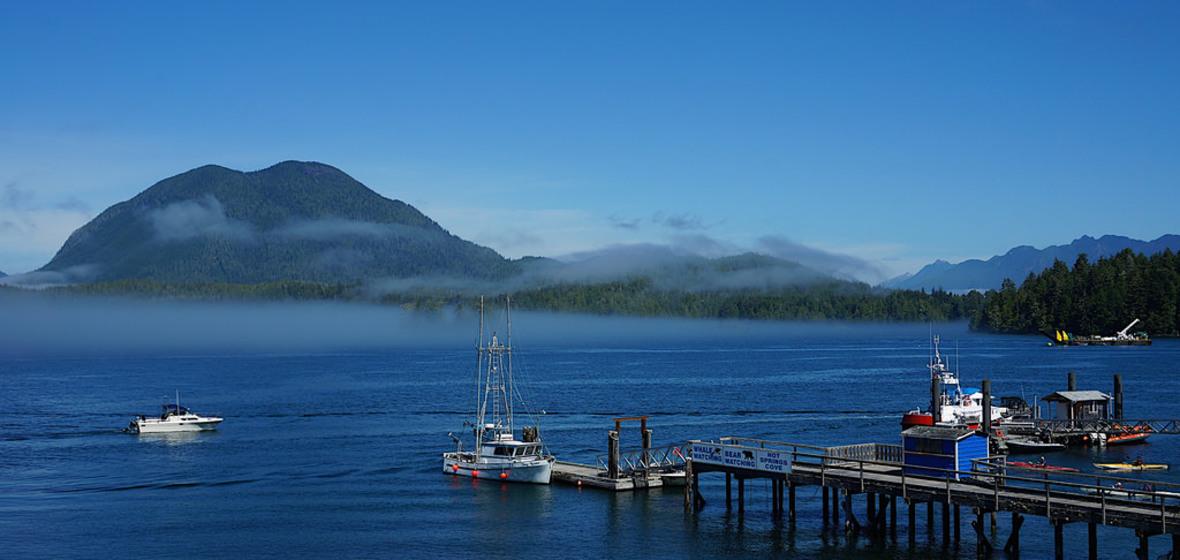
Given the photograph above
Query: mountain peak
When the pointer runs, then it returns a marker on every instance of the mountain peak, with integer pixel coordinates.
(291, 221)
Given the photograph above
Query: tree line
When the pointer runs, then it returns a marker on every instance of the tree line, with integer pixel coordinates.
(1090, 298)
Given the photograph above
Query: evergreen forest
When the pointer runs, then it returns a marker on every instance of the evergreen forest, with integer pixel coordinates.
(1091, 298)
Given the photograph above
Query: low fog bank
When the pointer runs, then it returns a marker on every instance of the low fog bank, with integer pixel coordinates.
(36, 326)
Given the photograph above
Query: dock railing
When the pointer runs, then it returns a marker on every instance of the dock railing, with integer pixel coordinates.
(644, 460)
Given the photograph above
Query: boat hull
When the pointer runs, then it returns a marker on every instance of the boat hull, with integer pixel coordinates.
(1124, 439)
(152, 426)
(531, 471)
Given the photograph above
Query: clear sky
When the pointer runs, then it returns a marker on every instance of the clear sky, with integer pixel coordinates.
(888, 133)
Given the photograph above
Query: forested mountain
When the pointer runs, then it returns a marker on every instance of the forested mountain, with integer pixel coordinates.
(975, 274)
(1091, 298)
(295, 221)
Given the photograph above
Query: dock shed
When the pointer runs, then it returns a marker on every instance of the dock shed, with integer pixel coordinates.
(1078, 405)
(927, 448)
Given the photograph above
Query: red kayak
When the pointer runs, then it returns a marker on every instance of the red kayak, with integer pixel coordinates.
(1039, 467)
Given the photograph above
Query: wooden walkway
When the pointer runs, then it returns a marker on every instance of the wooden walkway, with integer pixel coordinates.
(876, 471)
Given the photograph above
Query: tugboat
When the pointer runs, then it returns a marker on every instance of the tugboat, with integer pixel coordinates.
(956, 406)
(497, 454)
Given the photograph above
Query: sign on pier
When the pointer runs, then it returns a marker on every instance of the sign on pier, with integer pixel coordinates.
(741, 457)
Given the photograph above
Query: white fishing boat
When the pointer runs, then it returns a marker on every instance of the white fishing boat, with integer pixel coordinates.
(496, 453)
(175, 418)
(957, 405)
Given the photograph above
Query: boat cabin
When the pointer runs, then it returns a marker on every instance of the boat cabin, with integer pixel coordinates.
(931, 450)
(1078, 405)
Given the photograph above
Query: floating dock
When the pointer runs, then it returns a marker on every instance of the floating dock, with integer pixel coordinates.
(586, 475)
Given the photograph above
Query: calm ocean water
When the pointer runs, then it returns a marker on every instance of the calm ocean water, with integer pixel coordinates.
(328, 453)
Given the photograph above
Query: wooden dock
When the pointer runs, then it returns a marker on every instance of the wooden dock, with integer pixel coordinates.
(877, 472)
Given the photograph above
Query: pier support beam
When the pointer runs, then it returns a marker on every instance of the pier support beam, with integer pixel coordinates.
(728, 491)
(741, 495)
(913, 521)
(1141, 552)
(791, 502)
(893, 517)
(825, 508)
(983, 546)
(850, 523)
(929, 520)
(1092, 540)
(946, 523)
(1012, 546)
(1058, 536)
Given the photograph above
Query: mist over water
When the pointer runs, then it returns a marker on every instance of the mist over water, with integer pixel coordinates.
(84, 326)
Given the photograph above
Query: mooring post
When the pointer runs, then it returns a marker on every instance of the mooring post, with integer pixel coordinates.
(612, 461)
(1118, 396)
(987, 408)
(688, 485)
(646, 446)
(1072, 381)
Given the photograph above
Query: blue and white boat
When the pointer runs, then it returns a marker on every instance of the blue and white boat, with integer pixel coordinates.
(175, 418)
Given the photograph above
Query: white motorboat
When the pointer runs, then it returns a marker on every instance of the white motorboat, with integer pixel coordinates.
(175, 418)
(496, 453)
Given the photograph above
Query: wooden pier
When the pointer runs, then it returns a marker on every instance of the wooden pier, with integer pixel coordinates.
(878, 472)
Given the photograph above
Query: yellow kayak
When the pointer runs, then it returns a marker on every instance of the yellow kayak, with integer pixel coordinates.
(1131, 466)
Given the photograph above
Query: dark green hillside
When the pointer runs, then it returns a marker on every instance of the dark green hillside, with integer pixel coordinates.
(295, 221)
(1091, 298)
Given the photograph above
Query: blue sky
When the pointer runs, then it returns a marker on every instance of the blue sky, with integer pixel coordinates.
(887, 134)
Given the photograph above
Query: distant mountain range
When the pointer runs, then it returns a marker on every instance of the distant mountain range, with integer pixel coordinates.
(307, 221)
(1021, 261)
(311, 222)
